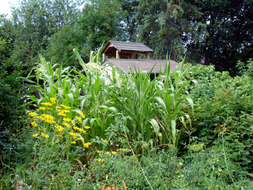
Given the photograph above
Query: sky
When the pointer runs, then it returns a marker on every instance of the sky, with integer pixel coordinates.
(5, 6)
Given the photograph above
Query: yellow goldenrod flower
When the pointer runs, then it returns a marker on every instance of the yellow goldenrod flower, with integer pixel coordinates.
(79, 119)
(100, 160)
(32, 114)
(86, 127)
(82, 115)
(65, 107)
(105, 141)
(66, 125)
(113, 153)
(66, 119)
(34, 124)
(46, 104)
(45, 135)
(42, 108)
(86, 145)
(53, 100)
(59, 128)
(35, 135)
(73, 135)
(73, 142)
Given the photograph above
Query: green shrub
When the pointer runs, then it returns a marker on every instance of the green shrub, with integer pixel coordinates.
(223, 107)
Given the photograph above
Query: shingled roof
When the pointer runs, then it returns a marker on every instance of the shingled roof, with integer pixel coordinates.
(128, 46)
(143, 65)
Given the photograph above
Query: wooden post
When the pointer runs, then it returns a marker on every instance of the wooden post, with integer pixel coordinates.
(148, 55)
(104, 57)
(117, 54)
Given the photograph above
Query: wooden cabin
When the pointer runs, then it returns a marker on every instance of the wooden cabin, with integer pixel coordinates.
(125, 50)
(123, 56)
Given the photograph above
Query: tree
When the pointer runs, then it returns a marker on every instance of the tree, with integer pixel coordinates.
(11, 105)
(62, 43)
(35, 22)
(229, 34)
(129, 20)
(100, 22)
(167, 25)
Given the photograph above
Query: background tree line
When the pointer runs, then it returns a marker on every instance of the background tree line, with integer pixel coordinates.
(209, 31)
(217, 32)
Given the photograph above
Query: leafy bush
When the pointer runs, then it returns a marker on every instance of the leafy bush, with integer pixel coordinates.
(11, 87)
(223, 108)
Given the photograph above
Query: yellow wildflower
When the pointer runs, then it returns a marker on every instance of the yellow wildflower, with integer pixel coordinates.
(66, 119)
(45, 135)
(73, 135)
(42, 108)
(73, 123)
(79, 139)
(48, 118)
(82, 115)
(105, 141)
(82, 131)
(100, 160)
(35, 135)
(32, 114)
(79, 119)
(65, 107)
(79, 129)
(34, 124)
(53, 100)
(66, 125)
(46, 104)
(98, 151)
(39, 117)
(113, 153)
(58, 107)
(59, 128)
(61, 113)
(86, 127)
(86, 145)
(73, 142)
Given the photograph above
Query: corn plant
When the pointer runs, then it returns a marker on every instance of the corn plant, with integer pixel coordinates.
(170, 97)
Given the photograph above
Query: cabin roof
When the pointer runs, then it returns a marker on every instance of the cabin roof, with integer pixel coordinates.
(128, 46)
(142, 65)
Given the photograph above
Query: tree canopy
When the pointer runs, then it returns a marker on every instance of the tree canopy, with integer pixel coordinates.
(206, 31)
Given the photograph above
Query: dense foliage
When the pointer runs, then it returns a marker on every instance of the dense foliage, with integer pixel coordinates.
(69, 124)
(188, 129)
(213, 32)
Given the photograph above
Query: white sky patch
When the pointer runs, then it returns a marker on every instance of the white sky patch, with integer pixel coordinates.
(6, 5)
